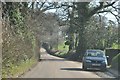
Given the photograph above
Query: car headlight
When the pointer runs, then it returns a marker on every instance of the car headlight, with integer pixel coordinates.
(88, 61)
(104, 62)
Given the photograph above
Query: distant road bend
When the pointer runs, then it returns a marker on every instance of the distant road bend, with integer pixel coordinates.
(54, 67)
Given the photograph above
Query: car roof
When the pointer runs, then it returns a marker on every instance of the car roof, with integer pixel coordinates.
(93, 50)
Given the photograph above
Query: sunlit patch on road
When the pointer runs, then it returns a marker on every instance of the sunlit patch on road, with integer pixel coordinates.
(42, 50)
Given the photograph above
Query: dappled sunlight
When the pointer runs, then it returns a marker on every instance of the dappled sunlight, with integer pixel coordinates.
(56, 36)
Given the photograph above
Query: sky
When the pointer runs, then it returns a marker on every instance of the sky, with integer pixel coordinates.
(108, 15)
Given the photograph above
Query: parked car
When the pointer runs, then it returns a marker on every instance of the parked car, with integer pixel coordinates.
(94, 59)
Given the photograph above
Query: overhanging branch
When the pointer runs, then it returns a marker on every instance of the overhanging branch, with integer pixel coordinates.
(116, 16)
(101, 6)
(103, 11)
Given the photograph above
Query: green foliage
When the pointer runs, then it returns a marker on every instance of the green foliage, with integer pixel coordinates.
(101, 34)
(63, 47)
(67, 43)
(115, 46)
(17, 19)
(19, 43)
(17, 70)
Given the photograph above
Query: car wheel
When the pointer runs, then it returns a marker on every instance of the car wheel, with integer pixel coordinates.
(39, 60)
(84, 67)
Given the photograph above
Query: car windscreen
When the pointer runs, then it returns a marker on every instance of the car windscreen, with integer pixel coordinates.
(95, 54)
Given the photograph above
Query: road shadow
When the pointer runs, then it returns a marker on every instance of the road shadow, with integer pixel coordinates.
(79, 69)
(72, 69)
(53, 60)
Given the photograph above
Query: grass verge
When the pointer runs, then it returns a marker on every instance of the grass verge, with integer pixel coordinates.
(63, 47)
(14, 71)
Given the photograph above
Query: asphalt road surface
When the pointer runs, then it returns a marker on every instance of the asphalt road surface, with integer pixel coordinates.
(54, 67)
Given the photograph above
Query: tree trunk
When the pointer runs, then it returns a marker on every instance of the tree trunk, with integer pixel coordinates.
(71, 31)
(81, 48)
(82, 19)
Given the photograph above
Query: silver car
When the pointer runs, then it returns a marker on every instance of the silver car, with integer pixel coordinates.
(94, 59)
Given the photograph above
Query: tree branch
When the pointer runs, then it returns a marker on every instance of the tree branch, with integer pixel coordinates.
(96, 9)
(103, 11)
(42, 5)
(108, 5)
(116, 16)
(116, 9)
(101, 6)
(48, 7)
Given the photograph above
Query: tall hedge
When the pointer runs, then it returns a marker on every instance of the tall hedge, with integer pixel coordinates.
(19, 42)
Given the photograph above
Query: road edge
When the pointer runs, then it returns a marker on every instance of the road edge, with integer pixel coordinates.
(114, 72)
(29, 69)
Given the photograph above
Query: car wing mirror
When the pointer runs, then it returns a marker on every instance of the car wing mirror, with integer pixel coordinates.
(107, 56)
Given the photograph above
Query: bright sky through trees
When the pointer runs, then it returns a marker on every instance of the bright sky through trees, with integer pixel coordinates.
(108, 15)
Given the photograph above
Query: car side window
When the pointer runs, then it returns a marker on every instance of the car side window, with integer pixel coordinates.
(89, 54)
